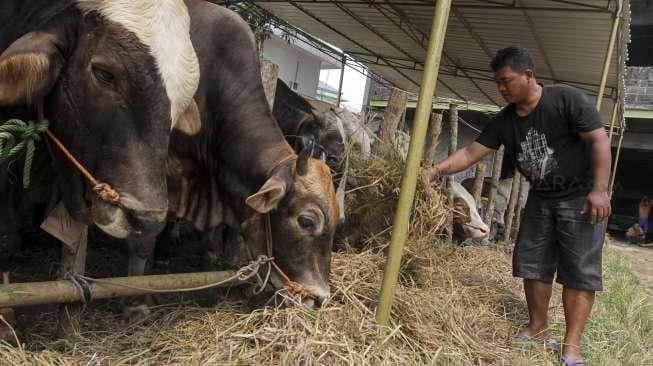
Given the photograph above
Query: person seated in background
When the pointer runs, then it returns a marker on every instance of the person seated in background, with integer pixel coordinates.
(636, 234)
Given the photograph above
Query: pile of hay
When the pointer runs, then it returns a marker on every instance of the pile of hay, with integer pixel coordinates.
(454, 305)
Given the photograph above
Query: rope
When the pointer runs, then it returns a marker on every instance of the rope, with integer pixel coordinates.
(16, 136)
(243, 274)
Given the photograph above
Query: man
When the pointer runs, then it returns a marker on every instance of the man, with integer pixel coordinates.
(555, 137)
(644, 210)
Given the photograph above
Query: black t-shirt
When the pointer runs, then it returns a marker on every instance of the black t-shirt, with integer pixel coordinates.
(545, 145)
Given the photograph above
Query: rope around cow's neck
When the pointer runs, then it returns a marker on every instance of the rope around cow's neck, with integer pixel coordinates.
(17, 135)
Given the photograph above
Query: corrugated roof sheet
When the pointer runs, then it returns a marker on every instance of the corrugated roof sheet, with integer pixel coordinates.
(568, 40)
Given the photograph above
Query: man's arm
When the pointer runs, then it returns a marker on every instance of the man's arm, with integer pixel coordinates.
(597, 204)
(459, 160)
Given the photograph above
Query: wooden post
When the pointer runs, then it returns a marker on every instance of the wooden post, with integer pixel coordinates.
(269, 76)
(415, 155)
(512, 202)
(479, 178)
(523, 196)
(432, 136)
(453, 146)
(393, 112)
(73, 260)
(496, 173)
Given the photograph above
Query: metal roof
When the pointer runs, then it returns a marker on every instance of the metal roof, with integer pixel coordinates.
(568, 40)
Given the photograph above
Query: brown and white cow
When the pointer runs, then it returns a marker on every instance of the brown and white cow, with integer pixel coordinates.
(115, 77)
(240, 168)
(467, 223)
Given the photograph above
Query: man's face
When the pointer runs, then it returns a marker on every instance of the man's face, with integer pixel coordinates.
(514, 86)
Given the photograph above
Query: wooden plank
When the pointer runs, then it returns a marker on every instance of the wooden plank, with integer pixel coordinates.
(477, 188)
(432, 136)
(269, 76)
(512, 202)
(496, 174)
(393, 112)
(453, 146)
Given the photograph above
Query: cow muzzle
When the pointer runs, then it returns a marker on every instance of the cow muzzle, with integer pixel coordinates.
(124, 222)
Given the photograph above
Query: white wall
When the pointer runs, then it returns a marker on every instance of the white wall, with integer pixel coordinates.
(295, 65)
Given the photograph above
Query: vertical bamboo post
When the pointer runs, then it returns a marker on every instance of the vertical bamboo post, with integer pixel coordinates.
(432, 136)
(269, 76)
(512, 202)
(520, 203)
(479, 178)
(392, 115)
(616, 162)
(608, 54)
(415, 154)
(615, 108)
(496, 173)
(342, 77)
(453, 146)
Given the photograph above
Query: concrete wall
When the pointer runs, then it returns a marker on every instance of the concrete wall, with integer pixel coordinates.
(295, 65)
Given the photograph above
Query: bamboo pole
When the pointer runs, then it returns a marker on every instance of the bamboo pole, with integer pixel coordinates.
(615, 108)
(512, 202)
(453, 146)
(496, 173)
(616, 162)
(342, 77)
(608, 55)
(415, 153)
(392, 115)
(479, 178)
(63, 291)
(432, 136)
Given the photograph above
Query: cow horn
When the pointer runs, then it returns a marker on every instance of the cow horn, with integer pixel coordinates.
(304, 156)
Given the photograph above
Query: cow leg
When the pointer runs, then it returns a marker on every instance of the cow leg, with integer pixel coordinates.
(213, 241)
(73, 261)
(168, 237)
(9, 317)
(9, 245)
(140, 250)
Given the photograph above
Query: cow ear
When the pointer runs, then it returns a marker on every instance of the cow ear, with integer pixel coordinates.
(268, 197)
(189, 121)
(304, 156)
(29, 68)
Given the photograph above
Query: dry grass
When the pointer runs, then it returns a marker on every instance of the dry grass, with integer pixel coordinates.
(454, 306)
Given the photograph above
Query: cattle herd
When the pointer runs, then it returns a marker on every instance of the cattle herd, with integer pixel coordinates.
(163, 100)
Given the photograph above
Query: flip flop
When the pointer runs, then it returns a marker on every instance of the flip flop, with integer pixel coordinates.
(576, 362)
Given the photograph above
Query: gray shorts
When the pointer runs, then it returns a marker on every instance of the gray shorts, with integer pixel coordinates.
(555, 237)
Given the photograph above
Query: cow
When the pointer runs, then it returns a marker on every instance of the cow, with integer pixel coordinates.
(502, 197)
(239, 171)
(114, 78)
(467, 223)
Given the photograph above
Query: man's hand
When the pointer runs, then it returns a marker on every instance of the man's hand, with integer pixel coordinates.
(430, 174)
(597, 206)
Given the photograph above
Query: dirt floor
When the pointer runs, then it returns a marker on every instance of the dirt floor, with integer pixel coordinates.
(641, 259)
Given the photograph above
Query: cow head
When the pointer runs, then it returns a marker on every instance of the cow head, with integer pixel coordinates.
(467, 224)
(116, 77)
(304, 213)
(321, 129)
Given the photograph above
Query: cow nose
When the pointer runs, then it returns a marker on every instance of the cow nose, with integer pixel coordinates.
(315, 302)
(146, 222)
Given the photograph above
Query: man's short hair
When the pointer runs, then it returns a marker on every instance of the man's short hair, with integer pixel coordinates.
(518, 58)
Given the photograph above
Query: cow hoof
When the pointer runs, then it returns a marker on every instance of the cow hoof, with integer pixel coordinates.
(135, 313)
(6, 329)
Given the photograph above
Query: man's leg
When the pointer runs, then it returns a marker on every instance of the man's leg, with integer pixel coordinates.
(579, 269)
(534, 260)
(577, 304)
(538, 294)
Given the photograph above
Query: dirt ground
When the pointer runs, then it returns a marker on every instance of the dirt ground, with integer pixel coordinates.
(641, 259)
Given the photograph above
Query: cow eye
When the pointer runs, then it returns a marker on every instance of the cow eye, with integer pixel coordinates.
(306, 222)
(103, 75)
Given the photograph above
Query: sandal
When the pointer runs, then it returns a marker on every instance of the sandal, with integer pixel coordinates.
(576, 362)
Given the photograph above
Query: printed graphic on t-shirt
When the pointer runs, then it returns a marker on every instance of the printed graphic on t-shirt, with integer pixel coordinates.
(536, 158)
